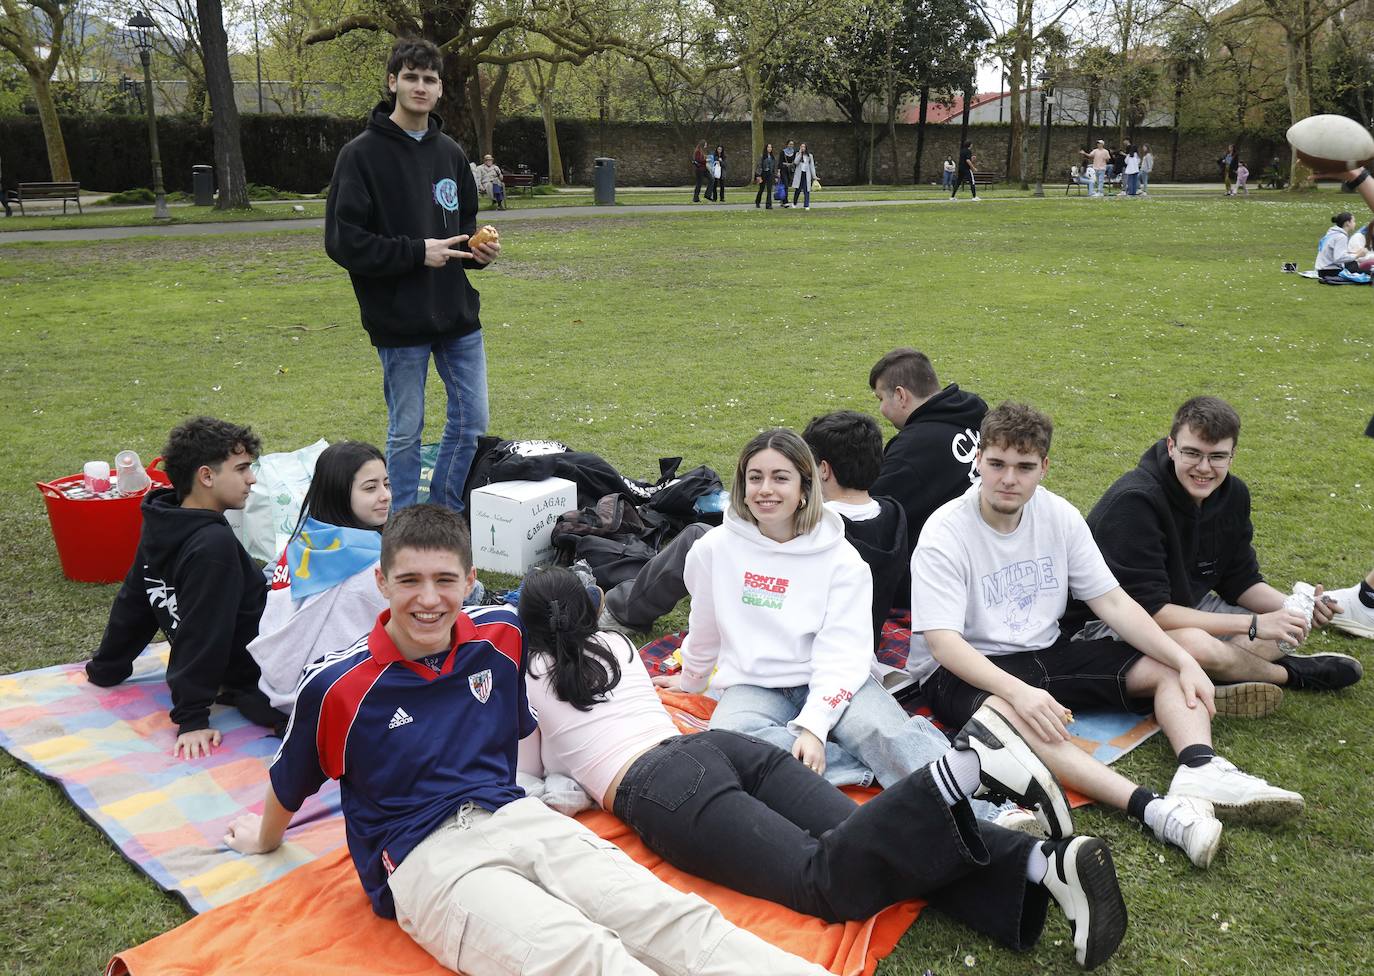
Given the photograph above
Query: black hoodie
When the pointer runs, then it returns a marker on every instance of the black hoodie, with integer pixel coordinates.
(930, 461)
(882, 542)
(192, 579)
(389, 193)
(1165, 548)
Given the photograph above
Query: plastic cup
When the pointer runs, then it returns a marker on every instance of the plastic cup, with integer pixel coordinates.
(96, 476)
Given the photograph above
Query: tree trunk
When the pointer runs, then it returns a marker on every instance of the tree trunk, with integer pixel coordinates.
(1092, 114)
(551, 139)
(214, 46)
(1025, 131)
(920, 135)
(1173, 152)
(892, 129)
(1299, 106)
(1017, 120)
(756, 140)
(970, 88)
(58, 166)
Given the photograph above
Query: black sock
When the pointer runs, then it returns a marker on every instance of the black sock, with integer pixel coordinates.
(1367, 595)
(1139, 800)
(1196, 755)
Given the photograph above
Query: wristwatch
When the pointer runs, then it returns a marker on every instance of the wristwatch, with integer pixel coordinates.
(1254, 620)
(1352, 184)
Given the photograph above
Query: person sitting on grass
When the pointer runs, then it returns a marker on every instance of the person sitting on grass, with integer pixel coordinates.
(782, 604)
(848, 448)
(191, 578)
(1333, 250)
(753, 818)
(991, 576)
(323, 594)
(420, 721)
(1176, 531)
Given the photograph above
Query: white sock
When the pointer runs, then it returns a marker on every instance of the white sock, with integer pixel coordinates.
(1037, 865)
(956, 774)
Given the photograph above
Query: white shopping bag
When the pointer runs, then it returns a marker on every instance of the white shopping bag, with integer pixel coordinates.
(274, 504)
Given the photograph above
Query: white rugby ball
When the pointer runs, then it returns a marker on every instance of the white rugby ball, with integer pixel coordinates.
(1328, 143)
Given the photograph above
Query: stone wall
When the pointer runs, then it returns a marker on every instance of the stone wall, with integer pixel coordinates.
(652, 155)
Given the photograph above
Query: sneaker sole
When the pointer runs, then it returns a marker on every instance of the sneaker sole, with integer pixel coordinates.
(1352, 627)
(1052, 808)
(1262, 812)
(1092, 872)
(1248, 699)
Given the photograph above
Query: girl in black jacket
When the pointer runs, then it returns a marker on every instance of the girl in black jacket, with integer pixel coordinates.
(767, 169)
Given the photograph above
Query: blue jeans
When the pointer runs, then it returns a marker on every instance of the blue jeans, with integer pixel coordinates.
(1144, 180)
(1095, 179)
(1132, 182)
(803, 187)
(948, 179)
(462, 365)
(874, 738)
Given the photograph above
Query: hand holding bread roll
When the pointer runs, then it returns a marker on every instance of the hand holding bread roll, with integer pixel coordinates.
(486, 234)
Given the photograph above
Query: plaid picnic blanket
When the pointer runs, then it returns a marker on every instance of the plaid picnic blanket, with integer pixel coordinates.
(110, 750)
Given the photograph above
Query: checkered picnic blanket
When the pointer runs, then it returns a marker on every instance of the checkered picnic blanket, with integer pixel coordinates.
(109, 749)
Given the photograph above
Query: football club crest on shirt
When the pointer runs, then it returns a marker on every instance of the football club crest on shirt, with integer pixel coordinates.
(480, 685)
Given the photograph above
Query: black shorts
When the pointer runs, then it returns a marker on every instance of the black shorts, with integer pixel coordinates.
(1079, 674)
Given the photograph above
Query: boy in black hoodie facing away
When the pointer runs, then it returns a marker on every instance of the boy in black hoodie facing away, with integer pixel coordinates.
(192, 579)
(848, 448)
(1176, 533)
(402, 205)
(931, 460)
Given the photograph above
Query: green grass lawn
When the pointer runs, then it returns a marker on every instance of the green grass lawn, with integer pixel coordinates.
(684, 334)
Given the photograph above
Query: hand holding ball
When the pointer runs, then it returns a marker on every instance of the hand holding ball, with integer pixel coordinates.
(1331, 143)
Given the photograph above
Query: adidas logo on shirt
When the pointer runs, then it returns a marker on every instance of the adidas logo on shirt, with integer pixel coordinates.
(399, 719)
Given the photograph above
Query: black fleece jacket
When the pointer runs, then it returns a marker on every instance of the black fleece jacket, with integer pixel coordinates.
(930, 461)
(1165, 548)
(192, 579)
(389, 193)
(882, 542)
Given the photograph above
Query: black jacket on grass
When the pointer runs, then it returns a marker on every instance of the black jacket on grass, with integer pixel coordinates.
(882, 542)
(930, 461)
(192, 579)
(1163, 547)
(389, 193)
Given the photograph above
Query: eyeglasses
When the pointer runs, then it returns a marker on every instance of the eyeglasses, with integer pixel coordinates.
(1217, 459)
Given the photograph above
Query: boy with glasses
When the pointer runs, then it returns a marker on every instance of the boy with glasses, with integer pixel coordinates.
(1176, 531)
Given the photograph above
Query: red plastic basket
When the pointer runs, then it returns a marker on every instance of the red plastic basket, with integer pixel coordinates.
(96, 537)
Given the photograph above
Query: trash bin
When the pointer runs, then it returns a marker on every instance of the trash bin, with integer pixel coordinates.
(604, 185)
(203, 183)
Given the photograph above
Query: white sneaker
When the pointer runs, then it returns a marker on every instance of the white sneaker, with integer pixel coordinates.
(1236, 796)
(1354, 617)
(1010, 768)
(1190, 826)
(1082, 880)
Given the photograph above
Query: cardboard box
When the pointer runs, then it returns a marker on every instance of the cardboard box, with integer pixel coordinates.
(512, 522)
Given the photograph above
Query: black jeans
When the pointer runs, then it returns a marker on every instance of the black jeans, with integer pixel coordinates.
(742, 813)
(765, 191)
(701, 181)
(965, 176)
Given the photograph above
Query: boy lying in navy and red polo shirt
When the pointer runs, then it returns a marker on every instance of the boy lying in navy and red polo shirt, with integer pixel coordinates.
(419, 723)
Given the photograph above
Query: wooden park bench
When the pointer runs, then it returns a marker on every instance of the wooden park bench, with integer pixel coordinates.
(66, 192)
(519, 181)
(987, 177)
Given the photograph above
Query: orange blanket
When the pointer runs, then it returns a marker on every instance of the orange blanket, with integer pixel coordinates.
(316, 921)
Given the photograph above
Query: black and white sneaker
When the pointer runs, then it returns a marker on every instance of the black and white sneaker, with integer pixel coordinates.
(1082, 880)
(1012, 771)
(1321, 672)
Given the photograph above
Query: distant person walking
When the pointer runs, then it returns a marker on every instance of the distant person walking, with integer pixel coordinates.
(787, 168)
(699, 169)
(715, 189)
(805, 173)
(764, 175)
(1227, 163)
(1147, 166)
(966, 160)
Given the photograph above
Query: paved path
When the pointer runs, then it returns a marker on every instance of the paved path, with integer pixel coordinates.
(316, 224)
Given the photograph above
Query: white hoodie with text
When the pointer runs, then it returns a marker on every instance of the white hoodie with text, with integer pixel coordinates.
(780, 615)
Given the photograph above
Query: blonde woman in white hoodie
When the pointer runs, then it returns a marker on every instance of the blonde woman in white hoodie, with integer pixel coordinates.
(781, 612)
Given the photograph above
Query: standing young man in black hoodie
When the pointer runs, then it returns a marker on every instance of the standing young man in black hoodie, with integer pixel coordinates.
(931, 460)
(192, 579)
(1176, 532)
(401, 205)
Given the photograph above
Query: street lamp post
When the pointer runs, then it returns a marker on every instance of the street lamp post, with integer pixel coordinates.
(1046, 107)
(141, 28)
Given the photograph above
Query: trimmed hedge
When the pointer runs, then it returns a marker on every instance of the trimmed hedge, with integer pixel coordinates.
(291, 152)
